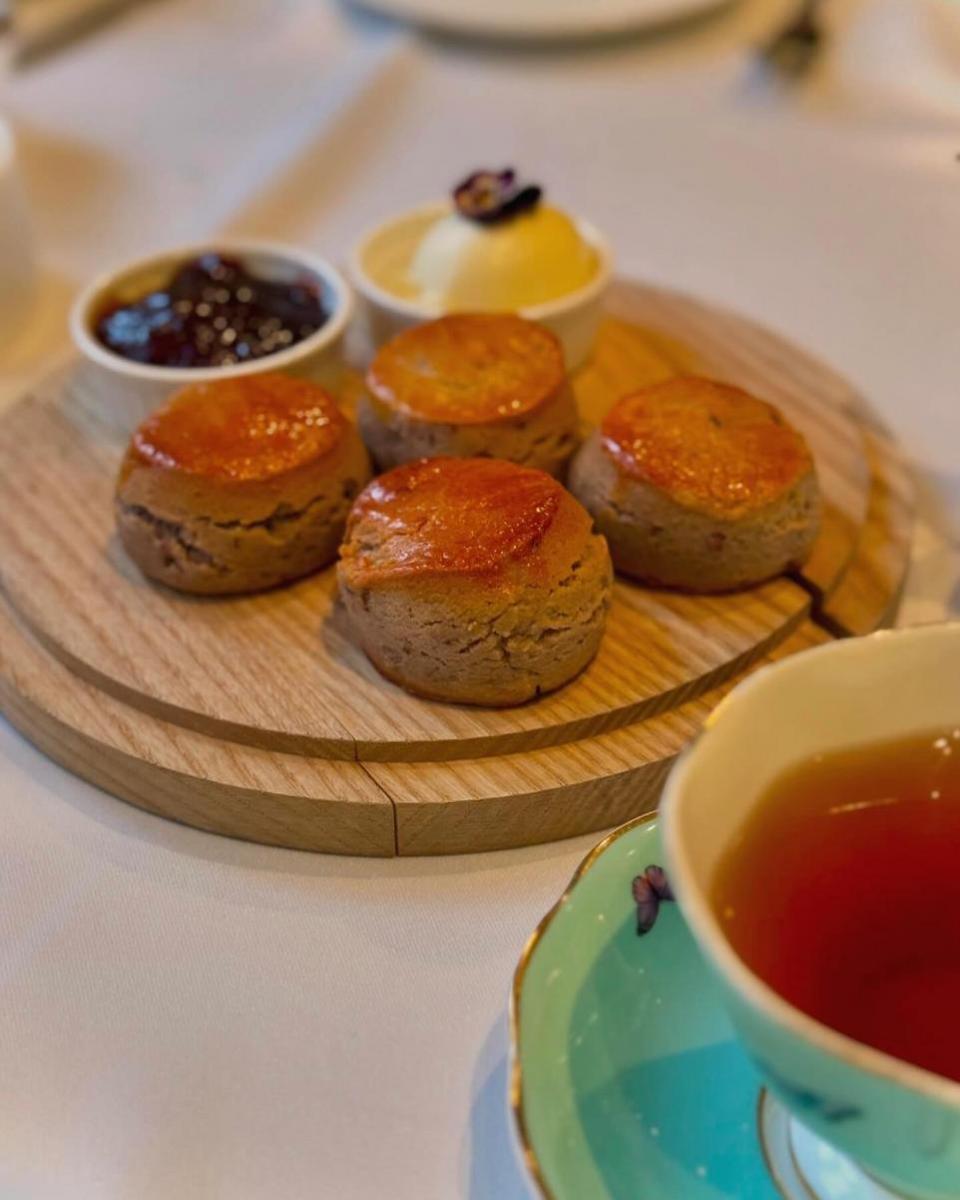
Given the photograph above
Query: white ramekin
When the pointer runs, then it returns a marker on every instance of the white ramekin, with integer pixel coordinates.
(574, 317)
(128, 391)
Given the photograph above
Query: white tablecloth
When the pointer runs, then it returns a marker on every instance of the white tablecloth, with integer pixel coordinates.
(185, 1016)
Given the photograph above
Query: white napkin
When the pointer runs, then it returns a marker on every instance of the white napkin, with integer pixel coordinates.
(898, 59)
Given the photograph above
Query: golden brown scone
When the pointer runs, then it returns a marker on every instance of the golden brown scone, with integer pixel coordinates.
(481, 384)
(239, 485)
(474, 580)
(699, 485)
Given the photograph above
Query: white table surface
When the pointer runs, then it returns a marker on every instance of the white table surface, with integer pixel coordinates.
(185, 1016)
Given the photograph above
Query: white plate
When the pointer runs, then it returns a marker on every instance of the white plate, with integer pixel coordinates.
(540, 18)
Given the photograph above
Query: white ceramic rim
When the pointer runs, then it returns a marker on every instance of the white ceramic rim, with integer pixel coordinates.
(423, 312)
(81, 312)
(699, 915)
(585, 22)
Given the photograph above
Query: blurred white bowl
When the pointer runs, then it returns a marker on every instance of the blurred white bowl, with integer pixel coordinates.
(574, 317)
(128, 391)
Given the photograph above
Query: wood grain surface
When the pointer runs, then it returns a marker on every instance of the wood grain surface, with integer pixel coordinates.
(870, 589)
(257, 795)
(409, 807)
(279, 671)
(303, 803)
(493, 803)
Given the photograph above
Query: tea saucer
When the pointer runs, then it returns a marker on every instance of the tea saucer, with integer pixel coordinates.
(628, 1082)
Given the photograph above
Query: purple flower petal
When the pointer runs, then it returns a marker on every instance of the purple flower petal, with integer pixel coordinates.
(659, 882)
(488, 196)
(650, 890)
(648, 904)
(522, 199)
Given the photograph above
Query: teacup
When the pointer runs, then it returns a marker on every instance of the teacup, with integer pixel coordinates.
(900, 1123)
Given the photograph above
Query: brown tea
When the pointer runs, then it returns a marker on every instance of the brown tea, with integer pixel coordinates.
(842, 892)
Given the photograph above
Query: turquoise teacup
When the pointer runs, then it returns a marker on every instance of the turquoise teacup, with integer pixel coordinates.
(900, 1123)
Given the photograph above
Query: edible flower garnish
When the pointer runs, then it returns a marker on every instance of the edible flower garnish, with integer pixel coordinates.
(489, 196)
(649, 890)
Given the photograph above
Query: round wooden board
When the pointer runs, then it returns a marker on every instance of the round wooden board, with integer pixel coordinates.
(411, 808)
(279, 670)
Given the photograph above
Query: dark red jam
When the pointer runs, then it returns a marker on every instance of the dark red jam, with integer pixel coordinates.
(213, 313)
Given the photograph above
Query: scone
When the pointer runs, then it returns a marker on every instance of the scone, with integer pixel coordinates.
(474, 580)
(700, 486)
(239, 485)
(490, 384)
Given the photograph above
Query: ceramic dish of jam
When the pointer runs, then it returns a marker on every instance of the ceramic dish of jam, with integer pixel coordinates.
(212, 311)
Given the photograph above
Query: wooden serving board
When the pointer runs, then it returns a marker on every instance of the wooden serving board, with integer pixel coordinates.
(257, 717)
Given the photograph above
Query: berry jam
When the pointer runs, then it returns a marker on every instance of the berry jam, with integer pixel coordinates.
(213, 313)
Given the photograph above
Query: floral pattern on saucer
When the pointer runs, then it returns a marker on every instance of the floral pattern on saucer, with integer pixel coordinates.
(628, 1083)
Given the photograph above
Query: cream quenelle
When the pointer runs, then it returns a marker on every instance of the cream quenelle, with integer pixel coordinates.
(495, 247)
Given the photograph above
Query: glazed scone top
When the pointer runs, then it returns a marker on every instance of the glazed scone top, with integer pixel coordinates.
(468, 369)
(254, 427)
(454, 516)
(711, 446)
